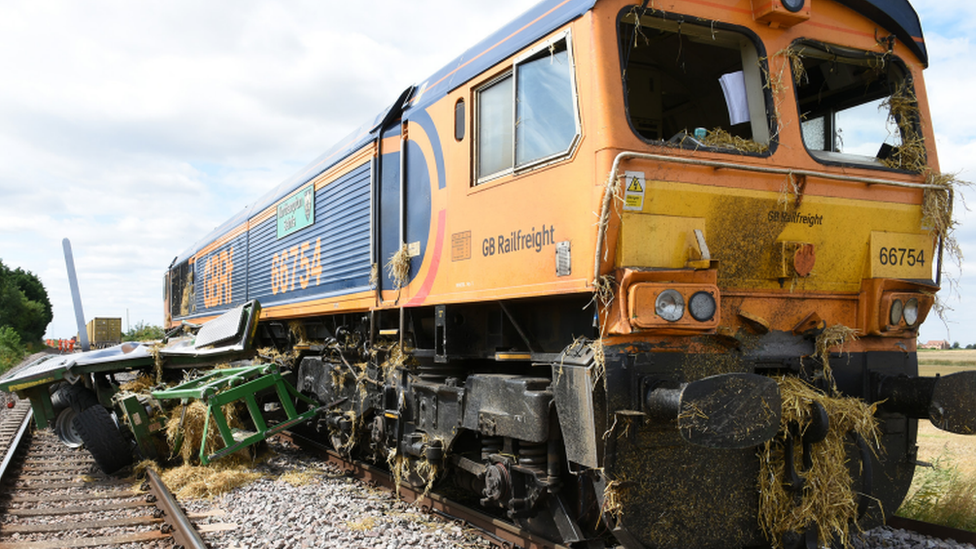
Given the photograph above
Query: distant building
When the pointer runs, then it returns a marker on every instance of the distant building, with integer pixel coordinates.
(940, 344)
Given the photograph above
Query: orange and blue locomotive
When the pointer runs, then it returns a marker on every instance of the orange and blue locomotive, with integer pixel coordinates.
(623, 268)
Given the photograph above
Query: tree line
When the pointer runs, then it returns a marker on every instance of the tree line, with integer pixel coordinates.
(25, 312)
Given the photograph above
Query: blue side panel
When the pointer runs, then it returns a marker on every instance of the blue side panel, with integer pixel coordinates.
(423, 119)
(418, 202)
(389, 212)
(219, 278)
(288, 270)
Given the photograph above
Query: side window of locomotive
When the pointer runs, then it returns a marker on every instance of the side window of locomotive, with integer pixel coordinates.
(459, 120)
(693, 85)
(856, 107)
(495, 122)
(528, 116)
(544, 105)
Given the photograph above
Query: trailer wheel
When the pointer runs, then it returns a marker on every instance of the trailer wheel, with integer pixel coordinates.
(67, 401)
(76, 397)
(103, 439)
(65, 429)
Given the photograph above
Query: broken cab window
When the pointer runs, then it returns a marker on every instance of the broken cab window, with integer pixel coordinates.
(534, 123)
(856, 107)
(693, 85)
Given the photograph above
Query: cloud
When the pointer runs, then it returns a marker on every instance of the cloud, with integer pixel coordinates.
(135, 129)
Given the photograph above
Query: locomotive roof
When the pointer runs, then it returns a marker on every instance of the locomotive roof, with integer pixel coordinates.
(897, 16)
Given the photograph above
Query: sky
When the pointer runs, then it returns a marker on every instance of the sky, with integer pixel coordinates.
(135, 128)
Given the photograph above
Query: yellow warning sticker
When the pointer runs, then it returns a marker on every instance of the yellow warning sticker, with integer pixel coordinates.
(634, 192)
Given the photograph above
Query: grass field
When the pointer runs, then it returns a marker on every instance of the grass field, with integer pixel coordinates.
(945, 494)
(933, 443)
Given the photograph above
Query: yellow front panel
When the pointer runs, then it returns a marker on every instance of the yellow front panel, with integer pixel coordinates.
(745, 230)
(658, 240)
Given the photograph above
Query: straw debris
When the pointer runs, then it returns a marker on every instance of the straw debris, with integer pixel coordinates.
(205, 482)
(374, 275)
(775, 81)
(154, 351)
(363, 525)
(186, 301)
(937, 205)
(297, 331)
(398, 267)
(827, 500)
(599, 361)
(299, 478)
(394, 360)
(285, 360)
(835, 336)
(902, 108)
(613, 499)
(192, 429)
(722, 139)
(142, 384)
(399, 467)
(428, 472)
(345, 443)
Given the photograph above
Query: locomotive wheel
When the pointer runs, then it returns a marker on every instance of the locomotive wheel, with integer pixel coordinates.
(103, 439)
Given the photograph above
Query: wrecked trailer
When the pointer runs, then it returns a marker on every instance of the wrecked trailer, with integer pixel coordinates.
(83, 396)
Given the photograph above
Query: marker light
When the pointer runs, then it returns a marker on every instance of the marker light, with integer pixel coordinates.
(896, 310)
(911, 312)
(669, 305)
(702, 306)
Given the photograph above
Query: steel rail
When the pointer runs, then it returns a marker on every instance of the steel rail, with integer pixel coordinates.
(502, 533)
(932, 530)
(15, 441)
(608, 192)
(181, 528)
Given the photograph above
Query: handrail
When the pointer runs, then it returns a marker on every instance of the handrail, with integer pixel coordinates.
(626, 155)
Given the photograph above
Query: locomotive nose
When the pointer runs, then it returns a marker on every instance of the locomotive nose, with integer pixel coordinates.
(949, 402)
(729, 411)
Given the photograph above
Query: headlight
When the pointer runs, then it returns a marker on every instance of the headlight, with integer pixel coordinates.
(911, 312)
(702, 306)
(793, 5)
(896, 309)
(669, 305)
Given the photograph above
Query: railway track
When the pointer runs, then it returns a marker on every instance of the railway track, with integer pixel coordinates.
(54, 497)
(499, 533)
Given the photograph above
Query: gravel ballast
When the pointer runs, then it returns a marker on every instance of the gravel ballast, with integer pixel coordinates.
(323, 508)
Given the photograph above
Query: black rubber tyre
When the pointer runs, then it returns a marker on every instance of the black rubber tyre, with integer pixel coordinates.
(76, 396)
(103, 439)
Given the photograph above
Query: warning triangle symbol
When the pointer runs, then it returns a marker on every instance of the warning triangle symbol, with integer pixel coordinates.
(635, 186)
